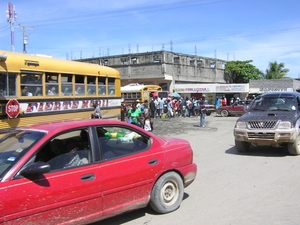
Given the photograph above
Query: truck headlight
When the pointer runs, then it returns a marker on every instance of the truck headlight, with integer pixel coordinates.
(240, 124)
(284, 125)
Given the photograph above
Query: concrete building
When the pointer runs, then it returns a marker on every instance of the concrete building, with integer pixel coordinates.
(263, 86)
(164, 68)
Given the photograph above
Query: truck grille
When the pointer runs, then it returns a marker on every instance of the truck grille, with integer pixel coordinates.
(262, 124)
(269, 136)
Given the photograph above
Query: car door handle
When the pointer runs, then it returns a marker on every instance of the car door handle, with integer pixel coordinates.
(87, 177)
(153, 162)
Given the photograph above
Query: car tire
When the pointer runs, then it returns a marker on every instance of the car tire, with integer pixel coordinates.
(167, 193)
(224, 113)
(294, 147)
(242, 146)
(208, 113)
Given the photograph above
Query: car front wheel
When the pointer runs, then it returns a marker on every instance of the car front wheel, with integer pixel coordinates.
(167, 193)
(242, 146)
(294, 148)
(224, 113)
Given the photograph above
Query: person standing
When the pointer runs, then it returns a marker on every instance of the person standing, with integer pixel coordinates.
(224, 101)
(148, 123)
(144, 108)
(170, 107)
(202, 108)
(97, 111)
(152, 109)
(134, 115)
(217, 103)
(157, 107)
(187, 107)
(123, 111)
(160, 107)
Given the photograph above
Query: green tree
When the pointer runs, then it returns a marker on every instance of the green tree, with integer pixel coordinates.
(276, 71)
(241, 72)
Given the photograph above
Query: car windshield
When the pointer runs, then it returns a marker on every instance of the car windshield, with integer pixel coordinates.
(274, 103)
(14, 145)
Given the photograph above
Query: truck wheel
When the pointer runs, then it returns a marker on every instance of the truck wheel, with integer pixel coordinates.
(242, 146)
(208, 113)
(167, 193)
(224, 113)
(294, 148)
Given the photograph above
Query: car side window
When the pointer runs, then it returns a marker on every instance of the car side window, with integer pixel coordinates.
(119, 141)
(70, 149)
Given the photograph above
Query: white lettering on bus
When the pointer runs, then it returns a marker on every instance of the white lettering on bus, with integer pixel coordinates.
(13, 108)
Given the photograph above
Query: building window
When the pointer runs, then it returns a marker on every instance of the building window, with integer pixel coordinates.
(176, 59)
(134, 60)
(156, 59)
(192, 61)
(199, 62)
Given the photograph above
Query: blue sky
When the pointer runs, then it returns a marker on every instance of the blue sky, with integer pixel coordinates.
(259, 30)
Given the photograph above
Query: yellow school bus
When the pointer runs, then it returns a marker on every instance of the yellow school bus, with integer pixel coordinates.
(139, 92)
(41, 89)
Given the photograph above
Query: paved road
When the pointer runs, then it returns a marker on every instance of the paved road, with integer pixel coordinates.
(260, 187)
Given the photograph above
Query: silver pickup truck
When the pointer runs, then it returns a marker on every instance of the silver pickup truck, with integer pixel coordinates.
(273, 119)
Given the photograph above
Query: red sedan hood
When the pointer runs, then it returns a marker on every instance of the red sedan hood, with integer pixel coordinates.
(174, 141)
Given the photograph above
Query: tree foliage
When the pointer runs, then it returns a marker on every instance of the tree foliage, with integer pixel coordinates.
(241, 72)
(276, 71)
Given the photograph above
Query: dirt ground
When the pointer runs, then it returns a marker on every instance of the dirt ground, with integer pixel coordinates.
(257, 187)
(180, 125)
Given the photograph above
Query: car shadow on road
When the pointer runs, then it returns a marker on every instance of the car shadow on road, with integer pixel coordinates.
(131, 216)
(264, 151)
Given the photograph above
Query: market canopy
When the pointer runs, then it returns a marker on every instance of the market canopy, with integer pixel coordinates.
(175, 95)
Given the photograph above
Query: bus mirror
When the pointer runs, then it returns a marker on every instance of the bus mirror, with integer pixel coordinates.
(3, 57)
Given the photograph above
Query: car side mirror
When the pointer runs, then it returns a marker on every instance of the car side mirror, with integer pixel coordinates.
(37, 168)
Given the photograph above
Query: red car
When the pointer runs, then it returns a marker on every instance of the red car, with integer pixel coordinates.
(236, 109)
(82, 171)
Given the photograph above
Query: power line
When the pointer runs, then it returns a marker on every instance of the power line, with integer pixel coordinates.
(121, 12)
(25, 37)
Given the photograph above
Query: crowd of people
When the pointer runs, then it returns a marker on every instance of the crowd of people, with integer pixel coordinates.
(143, 114)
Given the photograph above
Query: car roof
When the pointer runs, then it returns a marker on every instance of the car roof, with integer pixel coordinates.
(69, 124)
(278, 94)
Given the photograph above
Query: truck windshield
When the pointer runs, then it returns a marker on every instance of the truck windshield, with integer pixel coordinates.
(275, 103)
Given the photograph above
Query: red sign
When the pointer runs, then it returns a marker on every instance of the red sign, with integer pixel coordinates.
(12, 108)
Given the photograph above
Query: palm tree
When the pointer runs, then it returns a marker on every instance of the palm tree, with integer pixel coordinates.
(276, 71)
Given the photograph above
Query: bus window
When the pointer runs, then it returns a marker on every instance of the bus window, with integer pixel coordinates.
(79, 85)
(7, 84)
(111, 86)
(52, 84)
(133, 95)
(101, 86)
(66, 84)
(91, 80)
(33, 82)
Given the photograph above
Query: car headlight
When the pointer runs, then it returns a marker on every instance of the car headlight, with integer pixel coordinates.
(240, 124)
(284, 125)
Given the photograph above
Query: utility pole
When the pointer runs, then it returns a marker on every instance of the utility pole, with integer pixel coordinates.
(11, 16)
(25, 37)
